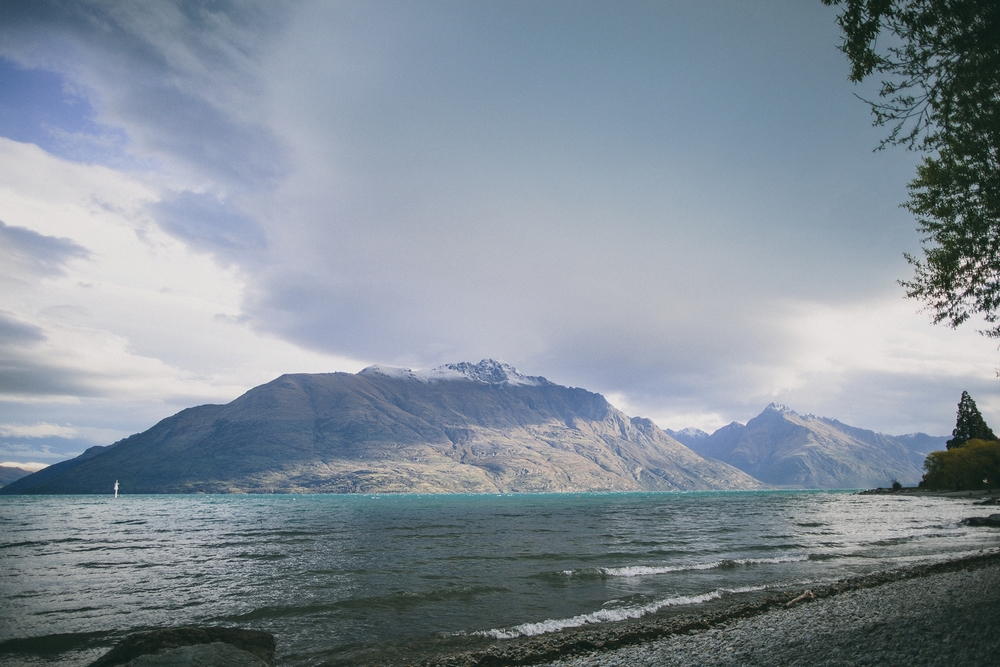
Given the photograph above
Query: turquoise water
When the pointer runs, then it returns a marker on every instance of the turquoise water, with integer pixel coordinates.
(341, 579)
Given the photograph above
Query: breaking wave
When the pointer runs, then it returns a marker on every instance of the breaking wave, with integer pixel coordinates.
(648, 570)
(610, 615)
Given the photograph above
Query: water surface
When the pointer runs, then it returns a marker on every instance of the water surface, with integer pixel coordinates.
(341, 579)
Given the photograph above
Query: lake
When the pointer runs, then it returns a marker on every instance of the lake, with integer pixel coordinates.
(341, 579)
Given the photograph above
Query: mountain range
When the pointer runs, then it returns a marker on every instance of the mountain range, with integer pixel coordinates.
(785, 449)
(468, 428)
(471, 428)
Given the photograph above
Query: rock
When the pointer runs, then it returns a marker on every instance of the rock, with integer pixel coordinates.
(158, 644)
(988, 501)
(991, 520)
(200, 655)
(808, 595)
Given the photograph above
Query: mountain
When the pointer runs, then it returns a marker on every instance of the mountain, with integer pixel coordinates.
(783, 448)
(457, 428)
(10, 474)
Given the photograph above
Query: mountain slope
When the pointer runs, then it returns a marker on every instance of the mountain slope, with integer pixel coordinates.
(459, 428)
(783, 448)
(10, 474)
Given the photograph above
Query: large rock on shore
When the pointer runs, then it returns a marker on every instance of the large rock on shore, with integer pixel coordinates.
(201, 655)
(991, 520)
(192, 647)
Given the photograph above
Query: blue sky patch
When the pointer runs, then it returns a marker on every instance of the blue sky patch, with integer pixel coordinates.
(36, 106)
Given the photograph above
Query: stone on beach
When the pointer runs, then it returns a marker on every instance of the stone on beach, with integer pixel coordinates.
(991, 520)
(199, 655)
(194, 647)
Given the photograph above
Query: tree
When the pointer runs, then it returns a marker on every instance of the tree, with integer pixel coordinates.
(976, 465)
(970, 424)
(940, 94)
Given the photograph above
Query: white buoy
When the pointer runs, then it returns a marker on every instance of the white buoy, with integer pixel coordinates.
(116, 488)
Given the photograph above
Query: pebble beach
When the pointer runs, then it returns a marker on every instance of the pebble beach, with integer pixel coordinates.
(947, 614)
(947, 619)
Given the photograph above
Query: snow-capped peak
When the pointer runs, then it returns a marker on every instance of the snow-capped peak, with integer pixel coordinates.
(779, 408)
(693, 433)
(491, 371)
(487, 371)
(389, 372)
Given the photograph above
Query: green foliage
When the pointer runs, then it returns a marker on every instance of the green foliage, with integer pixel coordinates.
(940, 93)
(970, 424)
(975, 465)
(956, 200)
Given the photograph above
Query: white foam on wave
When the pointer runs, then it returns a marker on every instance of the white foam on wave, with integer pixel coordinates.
(646, 570)
(773, 560)
(608, 615)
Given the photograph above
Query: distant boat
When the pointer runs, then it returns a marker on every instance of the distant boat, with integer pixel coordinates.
(116, 488)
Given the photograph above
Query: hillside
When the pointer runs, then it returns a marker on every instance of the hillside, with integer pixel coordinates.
(480, 428)
(10, 474)
(783, 448)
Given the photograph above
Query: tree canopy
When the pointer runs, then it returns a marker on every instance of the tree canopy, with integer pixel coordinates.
(976, 465)
(940, 94)
(970, 424)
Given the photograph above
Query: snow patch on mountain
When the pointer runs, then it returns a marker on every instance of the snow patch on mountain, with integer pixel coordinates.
(487, 371)
(688, 436)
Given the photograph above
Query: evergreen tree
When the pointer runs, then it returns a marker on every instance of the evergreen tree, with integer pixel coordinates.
(970, 424)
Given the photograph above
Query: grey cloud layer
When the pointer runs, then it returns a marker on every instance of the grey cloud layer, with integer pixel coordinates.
(617, 198)
(178, 77)
(211, 225)
(15, 332)
(28, 255)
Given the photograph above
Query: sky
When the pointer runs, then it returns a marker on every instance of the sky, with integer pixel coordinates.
(674, 204)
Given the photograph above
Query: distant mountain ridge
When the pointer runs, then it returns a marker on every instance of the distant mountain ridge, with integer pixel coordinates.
(782, 448)
(10, 474)
(457, 428)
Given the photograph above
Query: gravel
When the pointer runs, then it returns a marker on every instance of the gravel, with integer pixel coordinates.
(948, 618)
(937, 613)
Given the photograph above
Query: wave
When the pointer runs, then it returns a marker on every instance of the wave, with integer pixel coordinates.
(609, 615)
(647, 570)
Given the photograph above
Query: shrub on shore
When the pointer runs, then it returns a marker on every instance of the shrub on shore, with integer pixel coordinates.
(974, 465)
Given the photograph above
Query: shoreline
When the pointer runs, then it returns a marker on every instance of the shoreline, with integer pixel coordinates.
(597, 641)
(914, 491)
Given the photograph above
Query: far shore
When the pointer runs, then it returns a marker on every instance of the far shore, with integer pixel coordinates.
(914, 491)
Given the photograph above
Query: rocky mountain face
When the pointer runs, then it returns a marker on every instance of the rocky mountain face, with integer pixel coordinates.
(786, 449)
(459, 428)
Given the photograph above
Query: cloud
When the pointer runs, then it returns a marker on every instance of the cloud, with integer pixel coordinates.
(207, 223)
(26, 369)
(673, 204)
(15, 450)
(28, 255)
(175, 77)
(147, 326)
(53, 114)
(31, 466)
(41, 430)
(15, 332)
